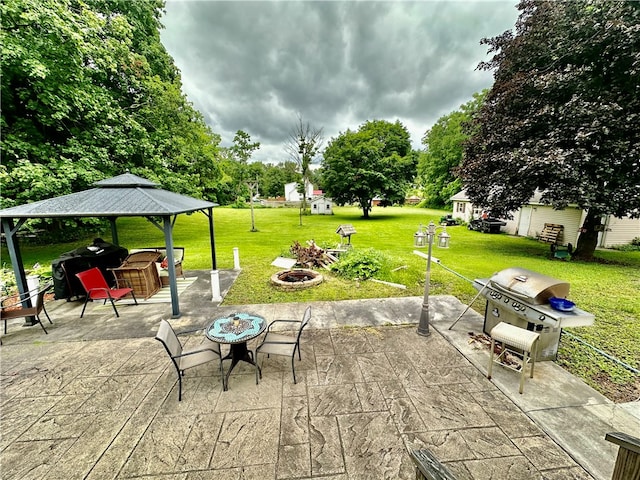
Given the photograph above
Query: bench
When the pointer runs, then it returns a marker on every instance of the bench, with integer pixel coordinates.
(628, 460)
(514, 337)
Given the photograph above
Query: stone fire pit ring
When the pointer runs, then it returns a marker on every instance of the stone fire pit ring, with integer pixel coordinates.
(296, 279)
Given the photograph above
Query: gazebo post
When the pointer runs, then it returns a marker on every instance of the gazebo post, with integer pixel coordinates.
(214, 265)
(114, 230)
(16, 262)
(171, 266)
(215, 275)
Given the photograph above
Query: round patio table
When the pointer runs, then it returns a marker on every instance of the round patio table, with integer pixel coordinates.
(236, 330)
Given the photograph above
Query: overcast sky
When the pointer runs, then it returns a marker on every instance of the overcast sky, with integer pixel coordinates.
(256, 66)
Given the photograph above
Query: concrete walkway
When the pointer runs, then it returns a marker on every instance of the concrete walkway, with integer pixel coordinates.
(97, 398)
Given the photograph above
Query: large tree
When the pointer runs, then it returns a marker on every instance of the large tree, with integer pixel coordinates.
(377, 160)
(562, 115)
(444, 145)
(88, 91)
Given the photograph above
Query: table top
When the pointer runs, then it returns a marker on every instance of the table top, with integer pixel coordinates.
(235, 328)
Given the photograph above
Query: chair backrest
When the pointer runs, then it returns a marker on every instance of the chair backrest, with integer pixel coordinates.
(40, 300)
(92, 278)
(169, 339)
(305, 320)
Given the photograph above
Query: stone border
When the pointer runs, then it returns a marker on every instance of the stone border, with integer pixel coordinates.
(316, 280)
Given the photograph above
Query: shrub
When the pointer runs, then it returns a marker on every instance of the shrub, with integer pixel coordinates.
(634, 246)
(362, 264)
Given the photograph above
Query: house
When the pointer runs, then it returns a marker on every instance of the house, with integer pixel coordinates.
(529, 220)
(291, 192)
(321, 206)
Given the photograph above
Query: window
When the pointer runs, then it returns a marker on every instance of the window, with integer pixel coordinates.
(460, 207)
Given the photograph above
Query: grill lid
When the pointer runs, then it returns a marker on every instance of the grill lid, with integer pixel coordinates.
(529, 286)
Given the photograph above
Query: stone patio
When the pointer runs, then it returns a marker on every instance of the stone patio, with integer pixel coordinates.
(97, 398)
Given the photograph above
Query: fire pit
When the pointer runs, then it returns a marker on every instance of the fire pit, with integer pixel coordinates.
(296, 279)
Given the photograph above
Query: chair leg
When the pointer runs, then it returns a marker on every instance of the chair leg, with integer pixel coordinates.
(41, 324)
(84, 306)
(256, 365)
(134, 297)
(114, 307)
(179, 387)
(293, 368)
(45, 312)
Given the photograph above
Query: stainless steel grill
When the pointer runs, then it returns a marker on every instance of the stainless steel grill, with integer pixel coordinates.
(520, 297)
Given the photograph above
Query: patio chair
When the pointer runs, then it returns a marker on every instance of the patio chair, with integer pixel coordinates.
(183, 359)
(96, 287)
(284, 345)
(11, 307)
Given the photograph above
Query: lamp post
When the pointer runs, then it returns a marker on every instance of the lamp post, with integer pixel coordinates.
(443, 242)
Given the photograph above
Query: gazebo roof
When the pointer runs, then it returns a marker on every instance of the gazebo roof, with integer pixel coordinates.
(125, 195)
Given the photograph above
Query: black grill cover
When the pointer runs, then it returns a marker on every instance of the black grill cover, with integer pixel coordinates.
(100, 254)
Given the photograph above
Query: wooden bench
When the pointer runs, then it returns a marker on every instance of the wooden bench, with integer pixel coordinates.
(428, 467)
(550, 233)
(628, 461)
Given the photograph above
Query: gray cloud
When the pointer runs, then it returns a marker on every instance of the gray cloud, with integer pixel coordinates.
(256, 66)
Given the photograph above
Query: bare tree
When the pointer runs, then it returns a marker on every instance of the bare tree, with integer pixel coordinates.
(303, 145)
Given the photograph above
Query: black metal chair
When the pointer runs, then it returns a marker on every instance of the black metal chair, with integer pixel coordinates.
(13, 307)
(183, 359)
(285, 345)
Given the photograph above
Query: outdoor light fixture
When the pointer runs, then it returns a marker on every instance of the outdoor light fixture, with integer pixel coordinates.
(443, 242)
(420, 238)
(443, 238)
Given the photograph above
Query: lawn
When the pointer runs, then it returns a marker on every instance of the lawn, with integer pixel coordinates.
(607, 288)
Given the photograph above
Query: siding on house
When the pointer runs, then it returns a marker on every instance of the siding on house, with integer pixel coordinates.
(529, 221)
(569, 218)
(291, 192)
(619, 231)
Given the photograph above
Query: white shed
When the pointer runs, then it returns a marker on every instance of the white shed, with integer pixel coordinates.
(321, 206)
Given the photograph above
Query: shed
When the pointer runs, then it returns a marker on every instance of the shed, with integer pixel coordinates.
(125, 195)
(321, 206)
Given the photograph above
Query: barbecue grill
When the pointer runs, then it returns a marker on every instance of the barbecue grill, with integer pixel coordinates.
(520, 297)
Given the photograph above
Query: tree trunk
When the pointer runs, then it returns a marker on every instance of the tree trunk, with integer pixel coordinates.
(588, 239)
(366, 207)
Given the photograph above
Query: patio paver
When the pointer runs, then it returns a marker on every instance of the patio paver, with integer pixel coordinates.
(77, 406)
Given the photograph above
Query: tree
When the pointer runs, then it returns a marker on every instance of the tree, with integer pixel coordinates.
(303, 146)
(562, 115)
(374, 161)
(248, 175)
(276, 177)
(444, 145)
(88, 91)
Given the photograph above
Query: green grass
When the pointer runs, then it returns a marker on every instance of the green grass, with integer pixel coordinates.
(609, 288)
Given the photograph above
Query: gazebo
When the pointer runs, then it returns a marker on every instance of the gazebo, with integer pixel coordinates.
(125, 195)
